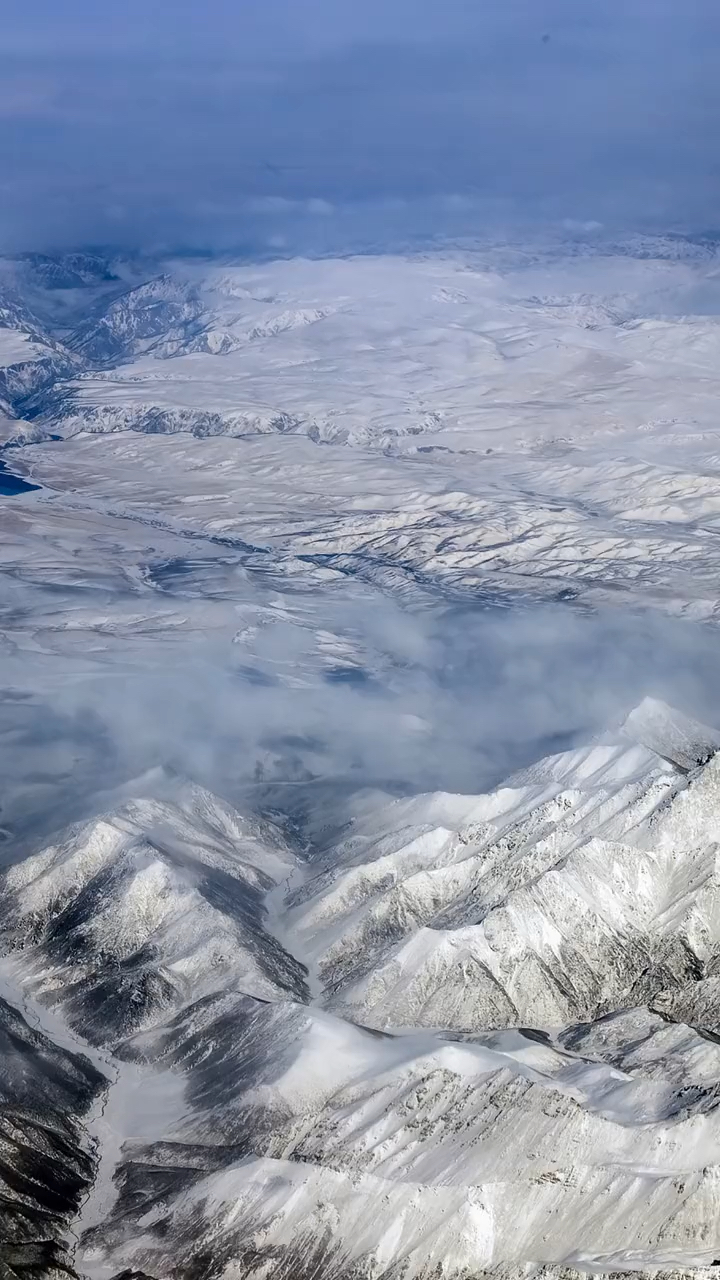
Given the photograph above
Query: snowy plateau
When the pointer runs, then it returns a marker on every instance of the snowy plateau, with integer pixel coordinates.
(360, 752)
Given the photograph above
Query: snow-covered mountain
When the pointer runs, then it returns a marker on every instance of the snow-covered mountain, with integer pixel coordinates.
(32, 360)
(161, 309)
(549, 418)
(373, 350)
(158, 888)
(348, 540)
(47, 1160)
(198, 995)
(513, 916)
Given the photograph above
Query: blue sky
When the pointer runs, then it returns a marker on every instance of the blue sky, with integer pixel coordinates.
(242, 121)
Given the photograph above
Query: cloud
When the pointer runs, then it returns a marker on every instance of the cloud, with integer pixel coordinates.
(555, 109)
(282, 205)
(455, 699)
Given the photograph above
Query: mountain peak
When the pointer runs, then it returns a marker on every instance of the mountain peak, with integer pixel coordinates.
(671, 734)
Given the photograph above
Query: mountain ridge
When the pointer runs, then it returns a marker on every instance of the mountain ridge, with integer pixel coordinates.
(275, 1107)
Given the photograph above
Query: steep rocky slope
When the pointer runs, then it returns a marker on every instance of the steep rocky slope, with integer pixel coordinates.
(558, 938)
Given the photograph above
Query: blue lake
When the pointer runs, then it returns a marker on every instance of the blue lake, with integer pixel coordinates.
(11, 485)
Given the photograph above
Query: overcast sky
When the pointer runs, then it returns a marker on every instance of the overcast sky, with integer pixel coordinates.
(250, 121)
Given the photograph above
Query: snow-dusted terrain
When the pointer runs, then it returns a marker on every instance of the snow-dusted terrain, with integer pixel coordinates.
(404, 558)
(549, 422)
(557, 937)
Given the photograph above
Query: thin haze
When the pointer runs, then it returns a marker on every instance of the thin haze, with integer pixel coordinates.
(245, 123)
